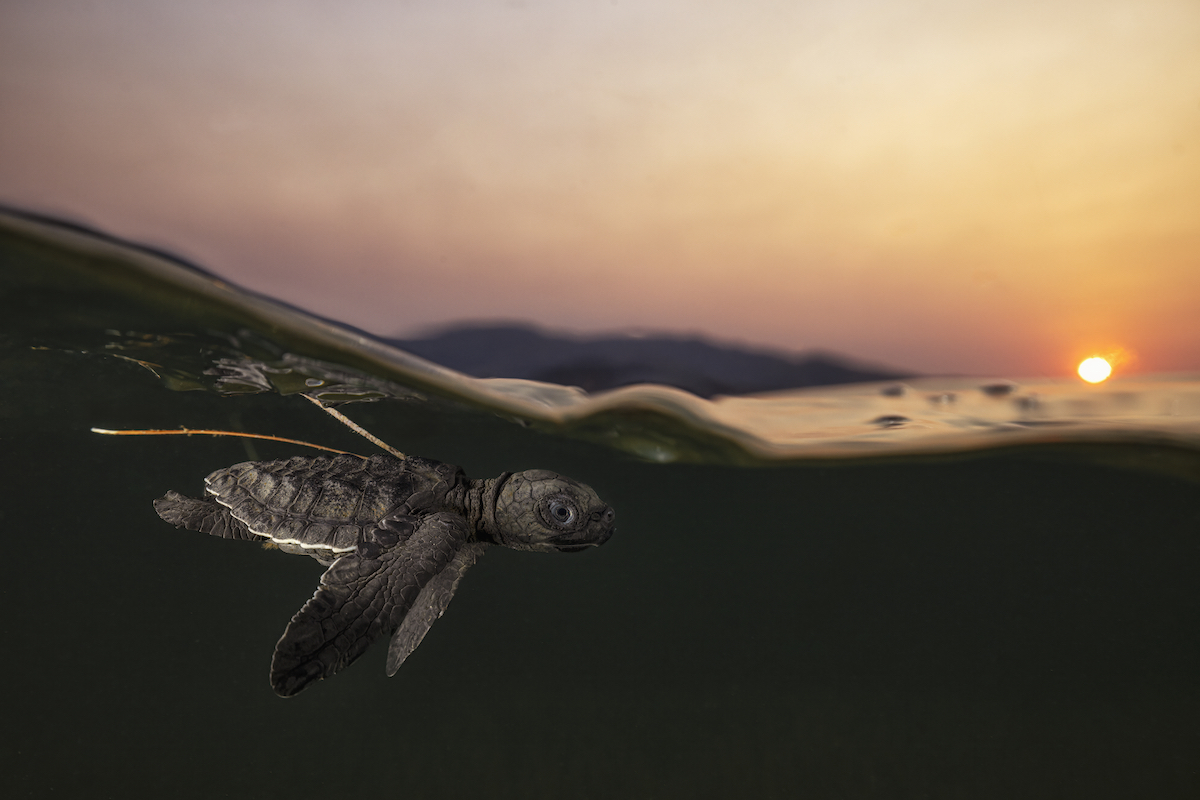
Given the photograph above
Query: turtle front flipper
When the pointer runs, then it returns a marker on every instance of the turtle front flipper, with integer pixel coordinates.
(362, 596)
(430, 605)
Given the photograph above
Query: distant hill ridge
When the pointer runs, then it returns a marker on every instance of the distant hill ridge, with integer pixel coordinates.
(699, 366)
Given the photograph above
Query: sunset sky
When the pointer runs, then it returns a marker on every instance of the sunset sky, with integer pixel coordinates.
(999, 187)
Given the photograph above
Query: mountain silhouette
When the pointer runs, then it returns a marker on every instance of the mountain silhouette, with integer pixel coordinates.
(697, 365)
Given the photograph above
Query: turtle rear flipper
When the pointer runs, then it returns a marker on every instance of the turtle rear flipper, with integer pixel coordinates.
(363, 596)
(205, 516)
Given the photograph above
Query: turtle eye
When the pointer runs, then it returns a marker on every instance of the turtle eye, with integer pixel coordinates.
(562, 513)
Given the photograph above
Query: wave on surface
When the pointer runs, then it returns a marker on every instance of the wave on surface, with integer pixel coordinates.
(67, 287)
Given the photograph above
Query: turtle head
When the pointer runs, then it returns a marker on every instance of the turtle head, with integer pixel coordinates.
(543, 511)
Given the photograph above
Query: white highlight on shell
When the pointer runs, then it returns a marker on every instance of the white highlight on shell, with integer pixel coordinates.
(277, 540)
(273, 539)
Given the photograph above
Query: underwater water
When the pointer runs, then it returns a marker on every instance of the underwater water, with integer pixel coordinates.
(980, 590)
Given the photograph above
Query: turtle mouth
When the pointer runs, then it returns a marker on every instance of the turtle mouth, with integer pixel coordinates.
(577, 546)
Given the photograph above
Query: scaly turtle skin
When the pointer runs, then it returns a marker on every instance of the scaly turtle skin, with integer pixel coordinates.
(396, 535)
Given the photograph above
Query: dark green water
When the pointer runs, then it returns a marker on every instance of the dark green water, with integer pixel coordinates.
(996, 626)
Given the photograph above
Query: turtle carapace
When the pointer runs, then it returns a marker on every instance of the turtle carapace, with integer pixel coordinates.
(396, 536)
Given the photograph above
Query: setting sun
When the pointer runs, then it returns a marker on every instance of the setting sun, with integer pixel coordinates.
(1094, 370)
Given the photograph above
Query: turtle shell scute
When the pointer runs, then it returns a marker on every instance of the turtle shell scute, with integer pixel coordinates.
(314, 504)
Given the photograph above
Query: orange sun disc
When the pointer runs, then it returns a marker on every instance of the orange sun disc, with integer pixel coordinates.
(1094, 369)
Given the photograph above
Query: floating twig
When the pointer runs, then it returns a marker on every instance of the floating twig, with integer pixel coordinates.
(339, 416)
(354, 426)
(206, 432)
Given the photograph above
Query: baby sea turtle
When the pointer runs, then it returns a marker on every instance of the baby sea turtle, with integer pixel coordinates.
(396, 534)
